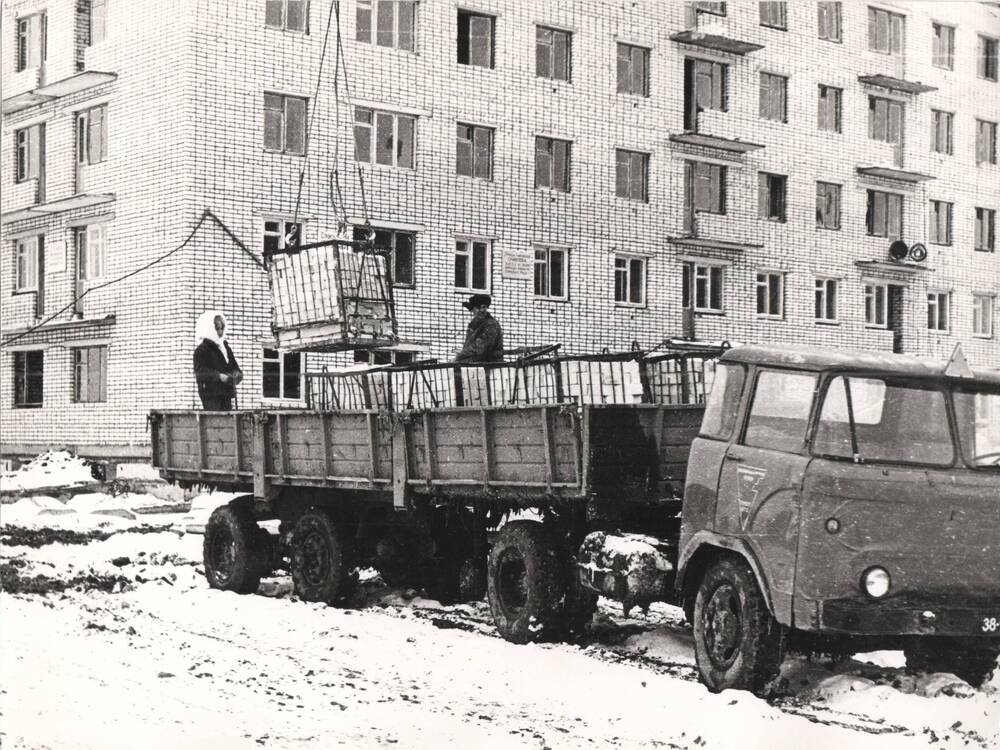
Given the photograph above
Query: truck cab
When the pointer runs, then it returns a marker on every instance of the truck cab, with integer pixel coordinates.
(839, 501)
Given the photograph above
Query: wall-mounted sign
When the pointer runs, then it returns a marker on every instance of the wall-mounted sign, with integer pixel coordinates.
(55, 257)
(518, 264)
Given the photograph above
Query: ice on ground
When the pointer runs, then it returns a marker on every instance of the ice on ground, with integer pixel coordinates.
(50, 469)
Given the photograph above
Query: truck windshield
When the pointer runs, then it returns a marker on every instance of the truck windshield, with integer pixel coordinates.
(978, 416)
(881, 420)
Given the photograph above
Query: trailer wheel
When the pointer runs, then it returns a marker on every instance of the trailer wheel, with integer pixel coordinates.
(973, 662)
(737, 643)
(320, 559)
(234, 557)
(525, 582)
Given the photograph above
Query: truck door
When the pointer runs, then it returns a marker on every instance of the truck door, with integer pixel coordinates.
(762, 476)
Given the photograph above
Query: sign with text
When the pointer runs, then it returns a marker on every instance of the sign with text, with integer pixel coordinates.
(55, 257)
(519, 264)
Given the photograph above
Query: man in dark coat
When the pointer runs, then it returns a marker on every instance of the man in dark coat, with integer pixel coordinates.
(215, 366)
(484, 336)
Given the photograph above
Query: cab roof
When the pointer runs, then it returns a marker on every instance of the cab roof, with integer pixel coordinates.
(815, 358)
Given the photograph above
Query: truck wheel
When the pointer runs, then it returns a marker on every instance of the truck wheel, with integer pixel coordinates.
(737, 643)
(320, 559)
(525, 582)
(232, 551)
(973, 662)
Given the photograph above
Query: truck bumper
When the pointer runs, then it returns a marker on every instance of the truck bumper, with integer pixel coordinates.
(909, 617)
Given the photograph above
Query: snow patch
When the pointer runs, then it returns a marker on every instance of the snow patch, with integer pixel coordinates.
(50, 469)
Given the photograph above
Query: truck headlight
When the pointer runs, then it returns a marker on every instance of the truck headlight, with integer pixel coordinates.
(876, 582)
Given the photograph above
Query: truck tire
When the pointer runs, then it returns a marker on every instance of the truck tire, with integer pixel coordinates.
(737, 643)
(320, 559)
(525, 584)
(234, 557)
(973, 661)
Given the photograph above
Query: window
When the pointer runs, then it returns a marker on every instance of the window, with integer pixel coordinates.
(982, 315)
(944, 47)
(986, 229)
(708, 186)
(827, 205)
(706, 283)
(26, 271)
(774, 14)
(394, 23)
(826, 300)
(32, 32)
(28, 378)
(939, 231)
(773, 104)
(723, 402)
(384, 138)
(474, 151)
(401, 252)
(90, 374)
(475, 39)
(770, 294)
(92, 135)
(293, 15)
(630, 280)
(941, 131)
(553, 54)
(885, 214)
(885, 120)
(987, 64)
(937, 311)
(876, 305)
(284, 124)
(986, 142)
(90, 249)
(885, 31)
(716, 9)
(779, 413)
(28, 152)
(552, 163)
(771, 189)
(632, 175)
(829, 108)
(829, 21)
(705, 88)
(280, 234)
(633, 70)
(472, 265)
(99, 22)
(282, 374)
(551, 272)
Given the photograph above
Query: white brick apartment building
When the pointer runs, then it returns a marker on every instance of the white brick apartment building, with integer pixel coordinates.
(597, 167)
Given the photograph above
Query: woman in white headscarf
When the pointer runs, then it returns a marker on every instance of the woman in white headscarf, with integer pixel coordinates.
(215, 367)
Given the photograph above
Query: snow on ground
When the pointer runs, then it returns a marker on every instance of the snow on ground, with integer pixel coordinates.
(50, 469)
(138, 651)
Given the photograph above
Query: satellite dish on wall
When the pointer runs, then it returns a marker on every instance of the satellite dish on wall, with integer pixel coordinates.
(898, 250)
(918, 253)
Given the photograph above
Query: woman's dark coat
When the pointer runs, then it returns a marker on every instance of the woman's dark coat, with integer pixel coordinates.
(208, 365)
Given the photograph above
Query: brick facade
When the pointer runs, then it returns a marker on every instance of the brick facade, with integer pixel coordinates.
(185, 126)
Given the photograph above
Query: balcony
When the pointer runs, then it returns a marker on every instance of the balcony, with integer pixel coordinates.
(57, 207)
(717, 42)
(900, 85)
(894, 174)
(48, 92)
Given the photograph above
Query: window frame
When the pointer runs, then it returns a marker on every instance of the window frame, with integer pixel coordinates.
(820, 213)
(822, 286)
(942, 120)
(474, 153)
(98, 29)
(393, 259)
(941, 214)
(773, 8)
(884, 133)
(626, 272)
(717, 74)
(938, 313)
(373, 137)
(986, 148)
(280, 359)
(872, 210)
(763, 284)
(983, 310)
(772, 202)
(27, 153)
(837, 18)
(22, 248)
(374, 9)
(31, 41)
(631, 156)
(21, 390)
(85, 140)
(823, 108)
(91, 244)
(712, 8)
(714, 277)
(285, 100)
(768, 92)
(539, 43)
(627, 85)
(78, 366)
(552, 142)
(284, 227)
(985, 69)
(937, 40)
(985, 228)
(894, 45)
(471, 14)
(876, 305)
(469, 253)
(714, 176)
(546, 265)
